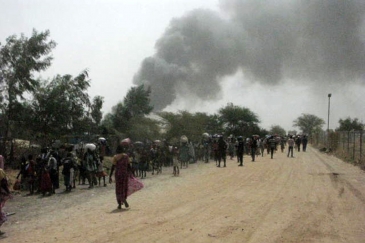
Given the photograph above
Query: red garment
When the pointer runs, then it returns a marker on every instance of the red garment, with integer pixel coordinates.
(31, 171)
(121, 178)
(30, 168)
(46, 183)
(134, 185)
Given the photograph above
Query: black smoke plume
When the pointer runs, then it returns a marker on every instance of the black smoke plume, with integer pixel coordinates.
(269, 41)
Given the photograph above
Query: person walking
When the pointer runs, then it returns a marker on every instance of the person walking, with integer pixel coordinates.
(121, 167)
(90, 166)
(31, 174)
(215, 150)
(272, 145)
(101, 173)
(240, 150)
(298, 142)
(267, 144)
(262, 146)
(4, 196)
(222, 148)
(184, 156)
(304, 143)
(282, 144)
(53, 171)
(23, 174)
(231, 147)
(253, 147)
(206, 148)
(290, 146)
(45, 184)
(68, 164)
(175, 162)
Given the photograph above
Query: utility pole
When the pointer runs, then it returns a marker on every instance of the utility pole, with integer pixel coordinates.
(328, 121)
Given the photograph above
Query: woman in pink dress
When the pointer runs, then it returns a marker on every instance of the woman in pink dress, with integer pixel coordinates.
(122, 173)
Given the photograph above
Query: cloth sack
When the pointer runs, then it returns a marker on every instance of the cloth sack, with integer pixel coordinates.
(16, 186)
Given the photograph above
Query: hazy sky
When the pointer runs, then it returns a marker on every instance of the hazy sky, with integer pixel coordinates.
(279, 59)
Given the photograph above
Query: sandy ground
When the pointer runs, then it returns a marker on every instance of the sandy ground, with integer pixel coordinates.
(310, 198)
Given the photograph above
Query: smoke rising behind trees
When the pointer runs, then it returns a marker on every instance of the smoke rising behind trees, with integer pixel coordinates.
(270, 42)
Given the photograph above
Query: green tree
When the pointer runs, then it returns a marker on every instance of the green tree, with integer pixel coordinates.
(136, 104)
(308, 123)
(276, 129)
(142, 128)
(214, 125)
(238, 120)
(107, 125)
(20, 58)
(263, 132)
(192, 125)
(96, 113)
(294, 132)
(349, 124)
(118, 121)
(60, 107)
(174, 125)
(207, 123)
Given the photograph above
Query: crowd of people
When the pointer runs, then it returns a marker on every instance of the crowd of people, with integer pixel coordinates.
(41, 174)
(216, 147)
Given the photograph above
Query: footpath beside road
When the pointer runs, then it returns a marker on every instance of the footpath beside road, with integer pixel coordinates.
(312, 197)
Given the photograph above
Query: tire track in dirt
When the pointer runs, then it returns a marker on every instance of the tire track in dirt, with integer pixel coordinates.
(325, 219)
(337, 179)
(305, 217)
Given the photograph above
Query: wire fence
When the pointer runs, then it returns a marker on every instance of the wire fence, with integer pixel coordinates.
(347, 145)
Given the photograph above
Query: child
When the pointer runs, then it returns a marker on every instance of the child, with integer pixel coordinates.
(135, 162)
(101, 172)
(74, 170)
(67, 164)
(31, 173)
(143, 164)
(175, 162)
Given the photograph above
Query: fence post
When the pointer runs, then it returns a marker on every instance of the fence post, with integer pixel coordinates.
(360, 159)
(354, 145)
(348, 142)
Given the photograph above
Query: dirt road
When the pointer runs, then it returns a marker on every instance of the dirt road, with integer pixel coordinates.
(310, 198)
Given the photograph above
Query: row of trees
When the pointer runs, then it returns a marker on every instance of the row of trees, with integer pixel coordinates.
(44, 110)
(171, 125)
(32, 108)
(229, 120)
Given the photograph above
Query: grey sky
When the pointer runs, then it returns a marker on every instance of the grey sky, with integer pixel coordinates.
(278, 59)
